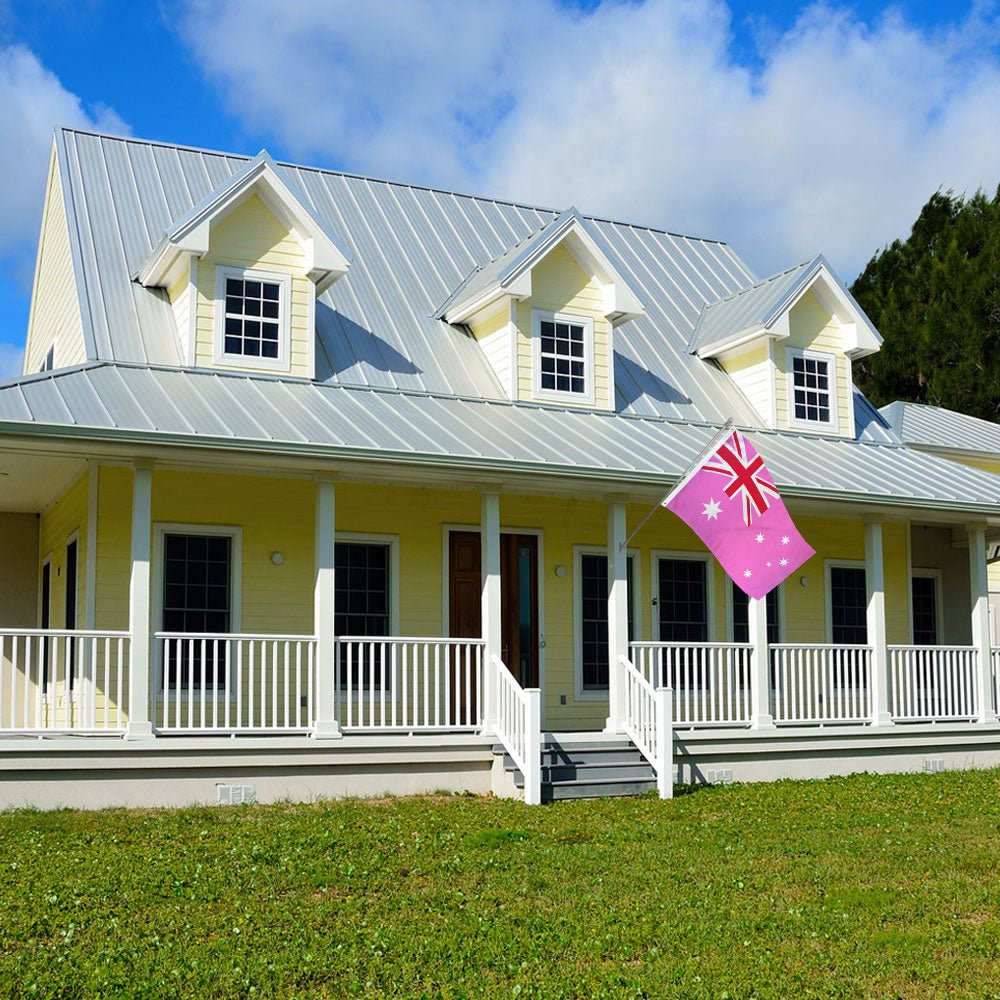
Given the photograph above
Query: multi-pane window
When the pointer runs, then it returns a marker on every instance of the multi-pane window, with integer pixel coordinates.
(252, 318)
(925, 610)
(562, 356)
(362, 602)
(197, 599)
(594, 618)
(741, 615)
(811, 390)
(682, 603)
(848, 605)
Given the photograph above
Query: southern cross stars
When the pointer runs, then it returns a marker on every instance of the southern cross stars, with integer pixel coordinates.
(784, 539)
(782, 562)
(759, 539)
(712, 510)
(747, 573)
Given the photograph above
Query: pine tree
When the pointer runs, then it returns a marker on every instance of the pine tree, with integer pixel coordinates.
(935, 298)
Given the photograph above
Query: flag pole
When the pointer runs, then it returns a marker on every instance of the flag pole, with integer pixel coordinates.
(693, 466)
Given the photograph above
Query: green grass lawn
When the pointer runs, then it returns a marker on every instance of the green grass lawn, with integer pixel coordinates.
(858, 887)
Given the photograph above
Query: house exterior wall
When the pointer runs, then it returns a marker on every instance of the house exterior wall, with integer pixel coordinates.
(252, 237)
(55, 304)
(495, 335)
(932, 549)
(278, 515)
(65, 518)
(812, 327)
(559, 284)
(753, 372)
(18, 570)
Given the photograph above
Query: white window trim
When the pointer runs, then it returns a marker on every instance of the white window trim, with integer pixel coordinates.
(580, 693)
(829, 564)
(730, 583)
(937, 577)
(654, 587)
(800, 352)
(48, 358)
(282, 362)
(556, 395)
(235, 533)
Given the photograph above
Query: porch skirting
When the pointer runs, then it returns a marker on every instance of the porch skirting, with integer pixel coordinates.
(100, 772)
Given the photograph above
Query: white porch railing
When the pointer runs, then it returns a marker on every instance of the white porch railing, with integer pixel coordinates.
(410, 684)
(647, 724)
(710, 681)
(63, 681)
(519, 720)
(933, 683)
(234, 683)
(816, 684)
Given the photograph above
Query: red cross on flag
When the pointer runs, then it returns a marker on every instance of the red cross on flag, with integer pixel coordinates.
(731, 503)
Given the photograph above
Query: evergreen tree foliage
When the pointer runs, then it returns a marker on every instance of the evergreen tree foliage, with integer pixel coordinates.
(935, 298)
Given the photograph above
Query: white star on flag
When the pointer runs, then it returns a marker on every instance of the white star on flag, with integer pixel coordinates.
(784, 539)
(712, 509)
(759, 539)
(747, 573)
(782, 562)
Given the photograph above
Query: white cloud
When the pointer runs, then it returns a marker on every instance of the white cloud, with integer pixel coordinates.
(636, 110)
(34, 102)
(10, 360)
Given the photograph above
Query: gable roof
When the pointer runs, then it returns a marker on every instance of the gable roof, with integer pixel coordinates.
(190, 233)
(921, 425)
(510, 272)
(756, 310)
(135, 404)
(410, 248)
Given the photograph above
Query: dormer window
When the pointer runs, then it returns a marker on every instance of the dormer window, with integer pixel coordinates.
(563, 356)
(252, 318)
(811, 376)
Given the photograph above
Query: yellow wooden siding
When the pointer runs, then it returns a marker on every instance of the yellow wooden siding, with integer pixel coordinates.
(278, 515)
(252, 237)
(813, 328)
(179, 294)
(559, 284)
(68, 515)
(18, 570)
(492, 332)
(55, 305)
(752, 372)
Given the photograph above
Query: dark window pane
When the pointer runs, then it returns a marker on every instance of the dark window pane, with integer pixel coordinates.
(361, 603)
(848, 605)
(924, 602)
(683, 600)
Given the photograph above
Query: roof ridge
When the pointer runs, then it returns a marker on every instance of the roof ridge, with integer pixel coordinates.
(383, 180)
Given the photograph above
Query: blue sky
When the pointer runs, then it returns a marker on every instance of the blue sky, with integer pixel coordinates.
(783, 128)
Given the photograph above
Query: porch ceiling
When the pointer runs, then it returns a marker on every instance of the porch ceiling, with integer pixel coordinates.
(29, 483)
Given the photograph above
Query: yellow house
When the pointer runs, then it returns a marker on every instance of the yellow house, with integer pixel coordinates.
(315, 484)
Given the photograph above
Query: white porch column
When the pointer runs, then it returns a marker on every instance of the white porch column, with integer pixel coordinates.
(875, 584)
(617, 614)
(489, 526)
(327, 726)
(981, 622)
(139, 726)
(760, 665)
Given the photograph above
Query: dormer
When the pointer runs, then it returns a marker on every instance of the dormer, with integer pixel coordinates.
(544, 312)
(788, 343)
(242, 270)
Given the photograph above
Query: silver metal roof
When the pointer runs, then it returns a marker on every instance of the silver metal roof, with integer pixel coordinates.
(410, 247)
(924, 426)
(756, 306)
(173, 406)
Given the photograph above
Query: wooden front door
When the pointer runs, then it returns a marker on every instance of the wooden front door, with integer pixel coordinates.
(518, 598)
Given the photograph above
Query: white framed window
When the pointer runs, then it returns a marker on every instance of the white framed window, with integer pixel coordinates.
(812, 389)
(197, 590)
(49, 361)
(562, 356)
(926, 608)
(590, 618)
(252, 318)
(366, 601)
(846, 603)
(682, 597)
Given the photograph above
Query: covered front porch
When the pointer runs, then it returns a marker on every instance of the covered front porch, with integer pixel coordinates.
(330, 573)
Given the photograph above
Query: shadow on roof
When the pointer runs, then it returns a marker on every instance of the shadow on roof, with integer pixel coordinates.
(632, 382)
(344, 344)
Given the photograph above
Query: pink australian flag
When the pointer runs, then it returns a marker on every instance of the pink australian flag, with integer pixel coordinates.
(731, 503)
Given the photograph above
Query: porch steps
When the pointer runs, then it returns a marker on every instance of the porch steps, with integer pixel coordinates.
(587, 769)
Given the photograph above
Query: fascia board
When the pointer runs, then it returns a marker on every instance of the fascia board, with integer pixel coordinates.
(734, 342)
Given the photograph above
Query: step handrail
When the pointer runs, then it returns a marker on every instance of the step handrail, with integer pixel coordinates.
(648, 724)
(519, 725)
